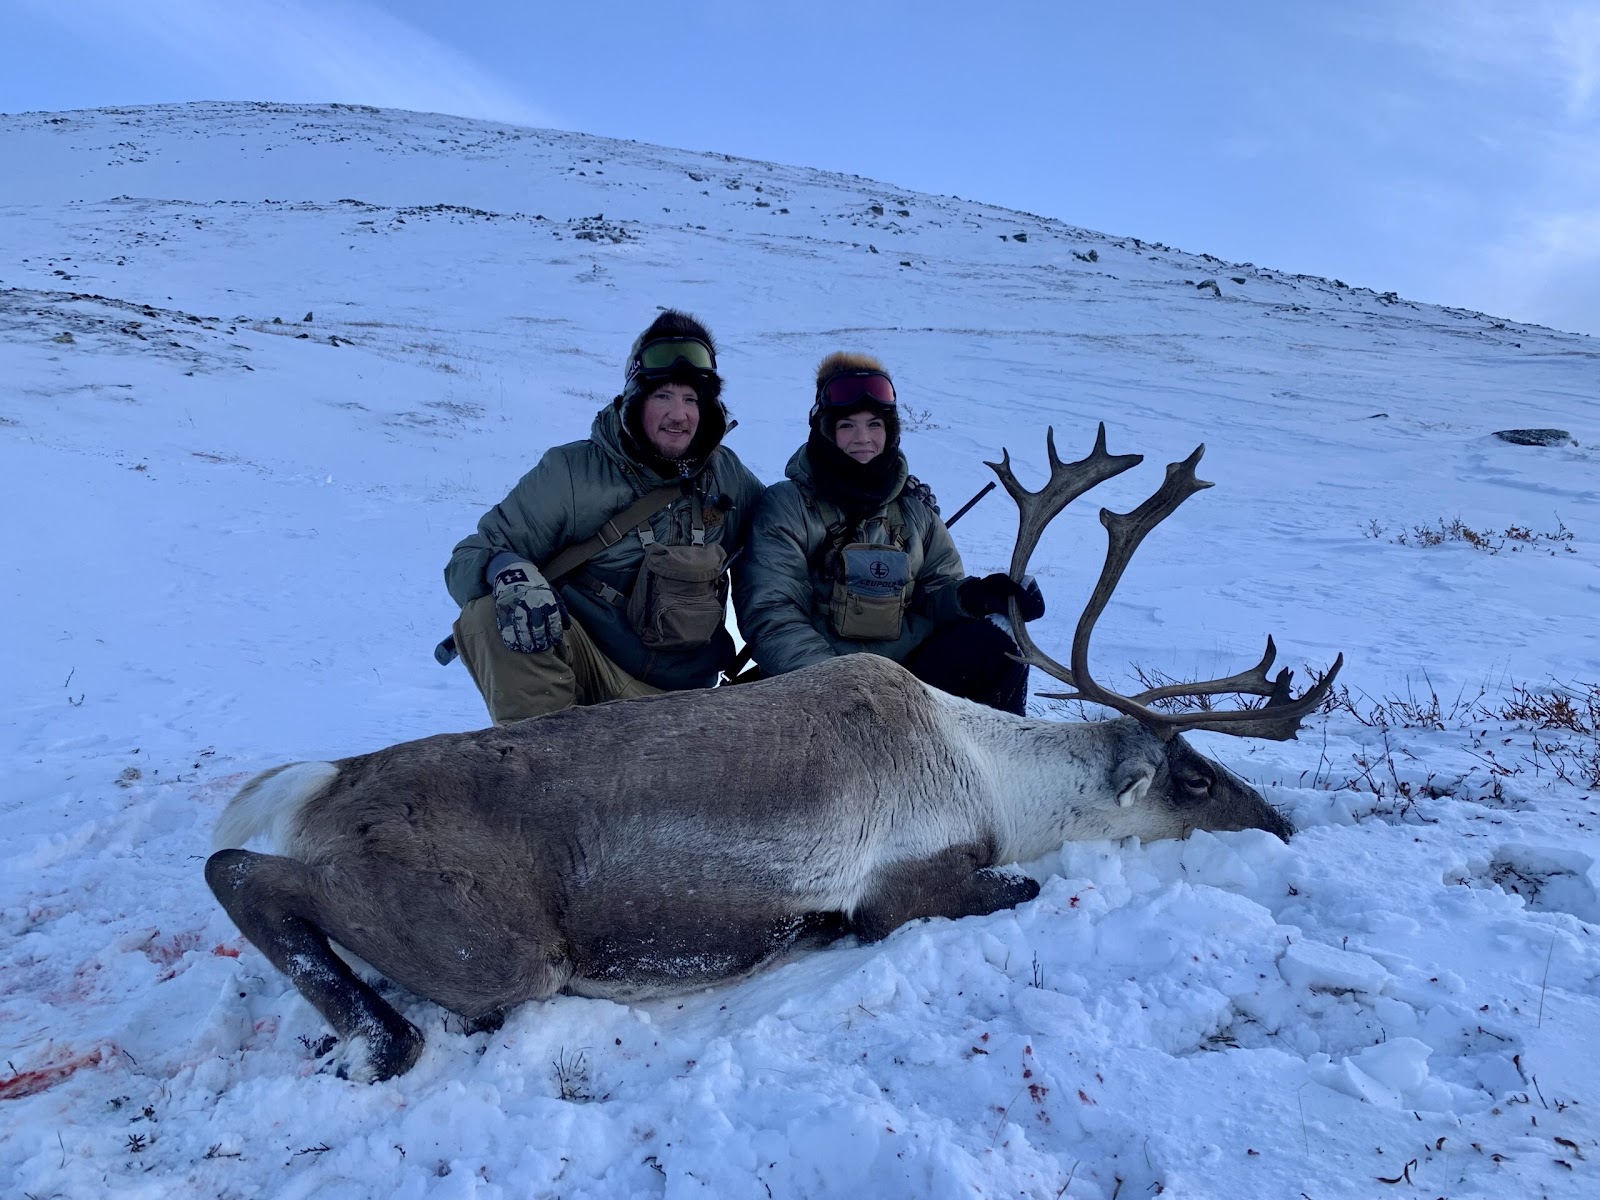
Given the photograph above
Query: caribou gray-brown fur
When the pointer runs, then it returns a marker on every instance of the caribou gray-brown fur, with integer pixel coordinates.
(657, 845)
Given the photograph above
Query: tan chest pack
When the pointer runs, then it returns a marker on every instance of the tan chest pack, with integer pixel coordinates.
(871, 578)
(679, 594)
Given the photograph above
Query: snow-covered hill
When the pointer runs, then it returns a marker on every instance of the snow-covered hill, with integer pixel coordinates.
(264, 364)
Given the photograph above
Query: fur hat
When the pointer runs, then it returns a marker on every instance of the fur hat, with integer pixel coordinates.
(846, 362)
(671, 324)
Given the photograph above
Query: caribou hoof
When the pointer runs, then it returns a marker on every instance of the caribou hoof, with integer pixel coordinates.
(392, 1049)
(486, 1023)
(993, 890)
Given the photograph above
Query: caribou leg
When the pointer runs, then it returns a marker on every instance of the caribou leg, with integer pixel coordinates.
(952, 883)
(269, 900)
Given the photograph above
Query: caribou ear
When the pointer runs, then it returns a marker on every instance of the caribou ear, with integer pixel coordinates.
(1131, 782)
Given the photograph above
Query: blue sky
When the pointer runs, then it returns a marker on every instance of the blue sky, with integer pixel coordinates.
(1445, 149)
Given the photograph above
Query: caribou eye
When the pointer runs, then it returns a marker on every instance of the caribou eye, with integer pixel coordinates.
(1195, 783)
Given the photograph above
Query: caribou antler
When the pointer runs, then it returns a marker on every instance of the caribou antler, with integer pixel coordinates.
(1068, 481)
(1278, 719)
(1035, 510)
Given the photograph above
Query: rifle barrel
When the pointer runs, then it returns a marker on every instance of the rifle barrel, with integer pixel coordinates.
(960, 512)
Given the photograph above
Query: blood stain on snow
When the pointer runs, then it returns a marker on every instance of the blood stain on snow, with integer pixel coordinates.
(40, 1079)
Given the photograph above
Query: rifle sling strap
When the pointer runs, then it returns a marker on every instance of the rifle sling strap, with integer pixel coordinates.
(612, 531)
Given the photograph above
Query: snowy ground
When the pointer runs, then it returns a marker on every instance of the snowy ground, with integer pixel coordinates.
(264, 365)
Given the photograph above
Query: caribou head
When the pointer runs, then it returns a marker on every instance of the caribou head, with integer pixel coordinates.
(1189, 790)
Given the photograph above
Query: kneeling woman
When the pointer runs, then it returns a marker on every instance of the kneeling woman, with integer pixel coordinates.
(848, 555)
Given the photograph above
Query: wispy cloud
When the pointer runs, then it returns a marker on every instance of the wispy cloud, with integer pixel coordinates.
(1549, 268)
(1529, 77)
(1551, 44)
(298, 50)
(1545, 258)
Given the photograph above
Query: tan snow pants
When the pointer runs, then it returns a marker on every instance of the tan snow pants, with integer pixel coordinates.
(516, 685)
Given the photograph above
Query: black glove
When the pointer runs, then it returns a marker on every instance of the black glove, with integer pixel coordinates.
(531, 617)
(993, 594)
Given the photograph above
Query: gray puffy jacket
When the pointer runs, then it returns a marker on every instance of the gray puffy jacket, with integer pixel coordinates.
(565, 499)
(783, 595)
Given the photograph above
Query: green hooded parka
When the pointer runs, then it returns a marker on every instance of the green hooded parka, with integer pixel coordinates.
(565, 499)
(782, 595)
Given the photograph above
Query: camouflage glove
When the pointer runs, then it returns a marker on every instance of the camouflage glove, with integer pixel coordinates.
(531, 617)
(993, 593)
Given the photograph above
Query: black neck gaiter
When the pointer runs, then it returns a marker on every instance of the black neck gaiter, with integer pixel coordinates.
(858, 488)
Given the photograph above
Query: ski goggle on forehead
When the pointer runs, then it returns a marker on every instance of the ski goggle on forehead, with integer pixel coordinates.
(855, 387)
(666, 353)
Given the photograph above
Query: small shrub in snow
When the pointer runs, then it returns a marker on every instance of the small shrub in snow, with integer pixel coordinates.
(1512, 538)
(1563, 722)
(1410, 711)
(573, 1082)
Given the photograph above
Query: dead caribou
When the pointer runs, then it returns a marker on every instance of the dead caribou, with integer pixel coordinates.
(658, 845)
